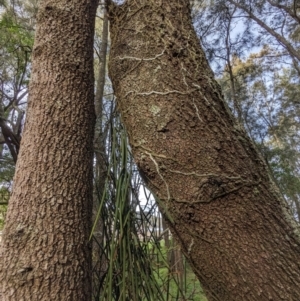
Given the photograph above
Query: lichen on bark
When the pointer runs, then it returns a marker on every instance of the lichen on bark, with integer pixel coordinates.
(210, 182)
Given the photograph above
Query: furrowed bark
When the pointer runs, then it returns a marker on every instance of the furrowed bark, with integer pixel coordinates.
(45, 253)
(210, 182)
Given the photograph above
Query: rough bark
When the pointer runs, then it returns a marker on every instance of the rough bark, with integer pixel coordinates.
(212, 186)
(45, 253)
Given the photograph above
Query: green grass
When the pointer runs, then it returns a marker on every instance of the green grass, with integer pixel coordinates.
(190, 288)
(169, 283)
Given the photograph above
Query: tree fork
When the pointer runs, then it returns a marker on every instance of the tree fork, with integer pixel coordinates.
(210, 182)
(45, 253)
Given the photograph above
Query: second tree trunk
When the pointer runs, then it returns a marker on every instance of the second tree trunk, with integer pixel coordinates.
(212, 186)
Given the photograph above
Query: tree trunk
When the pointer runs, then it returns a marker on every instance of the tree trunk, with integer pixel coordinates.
(45, 253)
(212, 186)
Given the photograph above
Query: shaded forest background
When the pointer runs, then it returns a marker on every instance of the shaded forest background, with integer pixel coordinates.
(253, 47)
